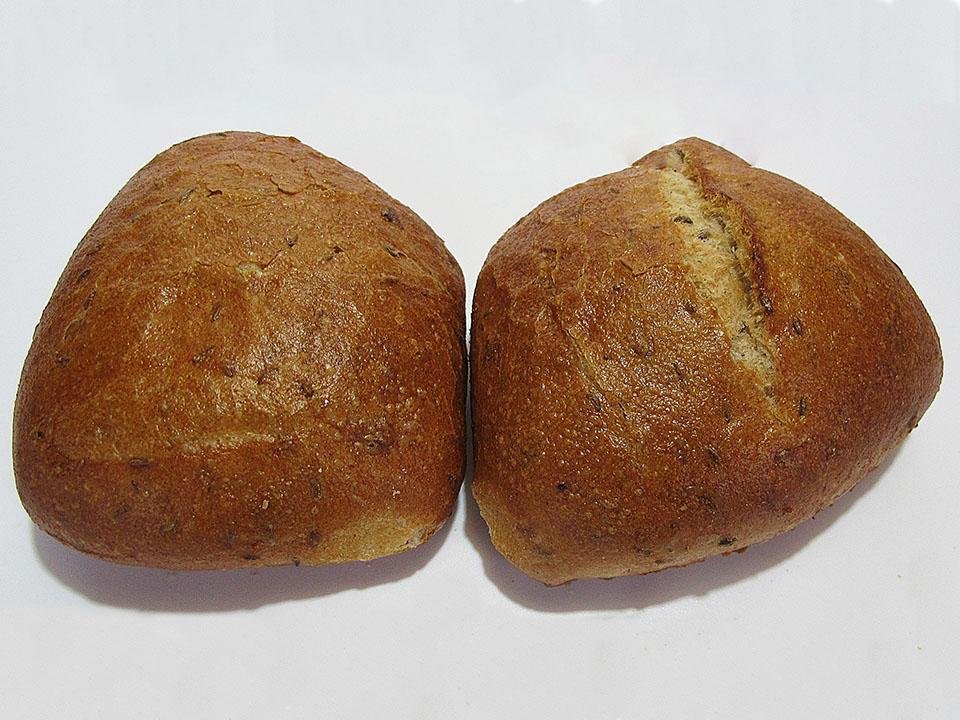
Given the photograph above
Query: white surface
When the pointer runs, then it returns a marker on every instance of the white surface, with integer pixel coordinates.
(472, 114)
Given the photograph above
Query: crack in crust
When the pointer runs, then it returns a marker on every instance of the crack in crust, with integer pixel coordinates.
(718, 256)
(600, 393)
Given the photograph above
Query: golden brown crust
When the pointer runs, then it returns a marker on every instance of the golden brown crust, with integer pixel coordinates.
(620, 429)
(254, 357)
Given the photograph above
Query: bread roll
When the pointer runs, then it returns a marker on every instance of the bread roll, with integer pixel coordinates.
(254, 357)
(682, 359)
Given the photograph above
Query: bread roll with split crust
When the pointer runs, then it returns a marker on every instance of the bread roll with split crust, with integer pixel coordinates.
(683, 359)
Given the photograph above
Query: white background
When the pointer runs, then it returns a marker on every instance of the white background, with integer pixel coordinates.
(472, 113)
